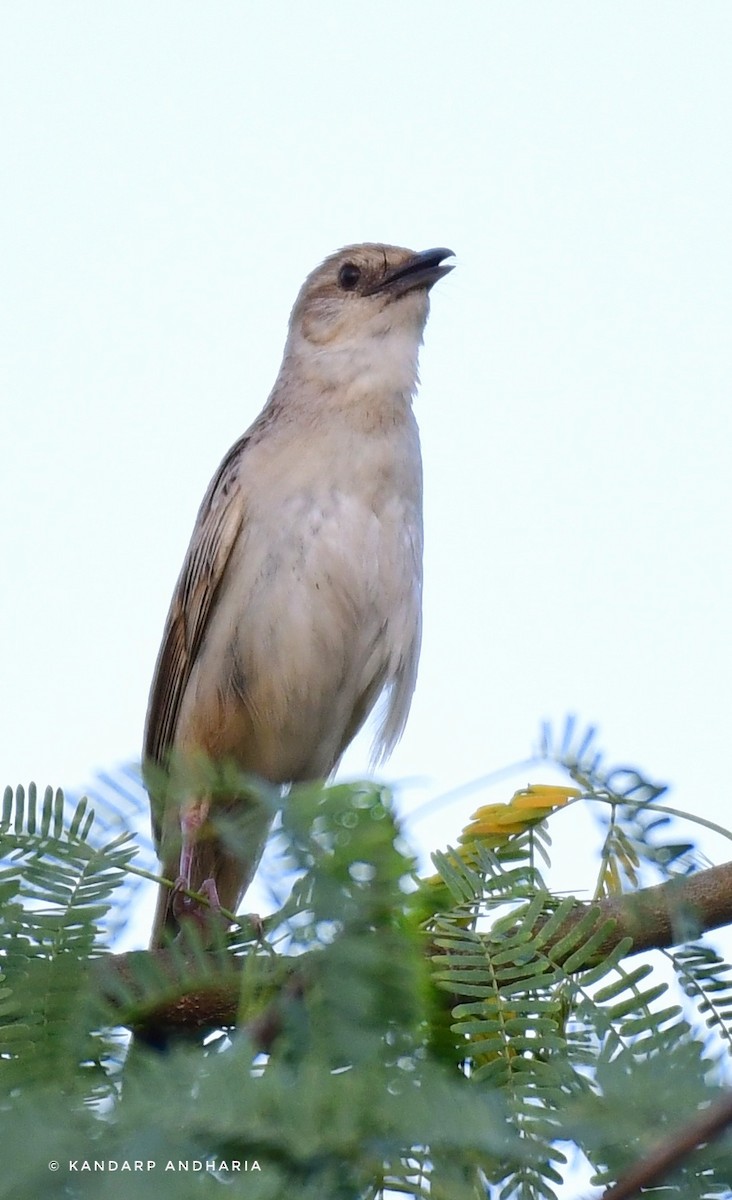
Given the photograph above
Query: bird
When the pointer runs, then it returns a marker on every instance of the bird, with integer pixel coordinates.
(298, 605)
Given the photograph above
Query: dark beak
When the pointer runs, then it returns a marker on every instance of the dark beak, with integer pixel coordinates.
(420, 271)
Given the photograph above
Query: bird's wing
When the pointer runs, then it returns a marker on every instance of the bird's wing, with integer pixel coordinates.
(219, 521)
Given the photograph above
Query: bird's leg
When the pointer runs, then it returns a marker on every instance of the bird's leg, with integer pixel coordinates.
(193, 816)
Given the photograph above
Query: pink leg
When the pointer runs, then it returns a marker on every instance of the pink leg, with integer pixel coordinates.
(192, 818)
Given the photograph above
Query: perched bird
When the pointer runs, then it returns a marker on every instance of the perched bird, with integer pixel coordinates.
(299, 601)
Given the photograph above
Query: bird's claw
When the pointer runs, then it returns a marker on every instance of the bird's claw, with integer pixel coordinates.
(187, 908)
(256, 923)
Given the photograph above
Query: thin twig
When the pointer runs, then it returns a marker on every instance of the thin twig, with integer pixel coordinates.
(672, 1151)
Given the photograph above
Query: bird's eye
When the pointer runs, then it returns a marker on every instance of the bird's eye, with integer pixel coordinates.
(348, 276)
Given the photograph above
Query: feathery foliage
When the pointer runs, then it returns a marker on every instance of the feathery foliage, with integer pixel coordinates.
(462, 1035)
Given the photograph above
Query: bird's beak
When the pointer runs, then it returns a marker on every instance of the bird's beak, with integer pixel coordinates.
(419, 271)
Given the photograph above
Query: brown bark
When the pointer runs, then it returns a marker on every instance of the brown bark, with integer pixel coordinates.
(654, 918)
(665, 915)
(672, 1151)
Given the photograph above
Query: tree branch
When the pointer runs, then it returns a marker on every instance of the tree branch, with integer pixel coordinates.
(665, 915)
(673, 1150)
(654, 918)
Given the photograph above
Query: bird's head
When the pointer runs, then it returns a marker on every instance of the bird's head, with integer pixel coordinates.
(364, 310)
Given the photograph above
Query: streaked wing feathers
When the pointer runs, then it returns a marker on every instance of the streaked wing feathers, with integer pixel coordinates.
(220, 518)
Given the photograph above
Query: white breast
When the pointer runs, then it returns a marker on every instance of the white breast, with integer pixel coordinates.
(321, 602)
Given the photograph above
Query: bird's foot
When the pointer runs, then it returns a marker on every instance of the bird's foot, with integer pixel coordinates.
(208, 918)
(256, 923)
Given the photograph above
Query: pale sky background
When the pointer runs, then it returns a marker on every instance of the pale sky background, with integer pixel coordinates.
(170, 173)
